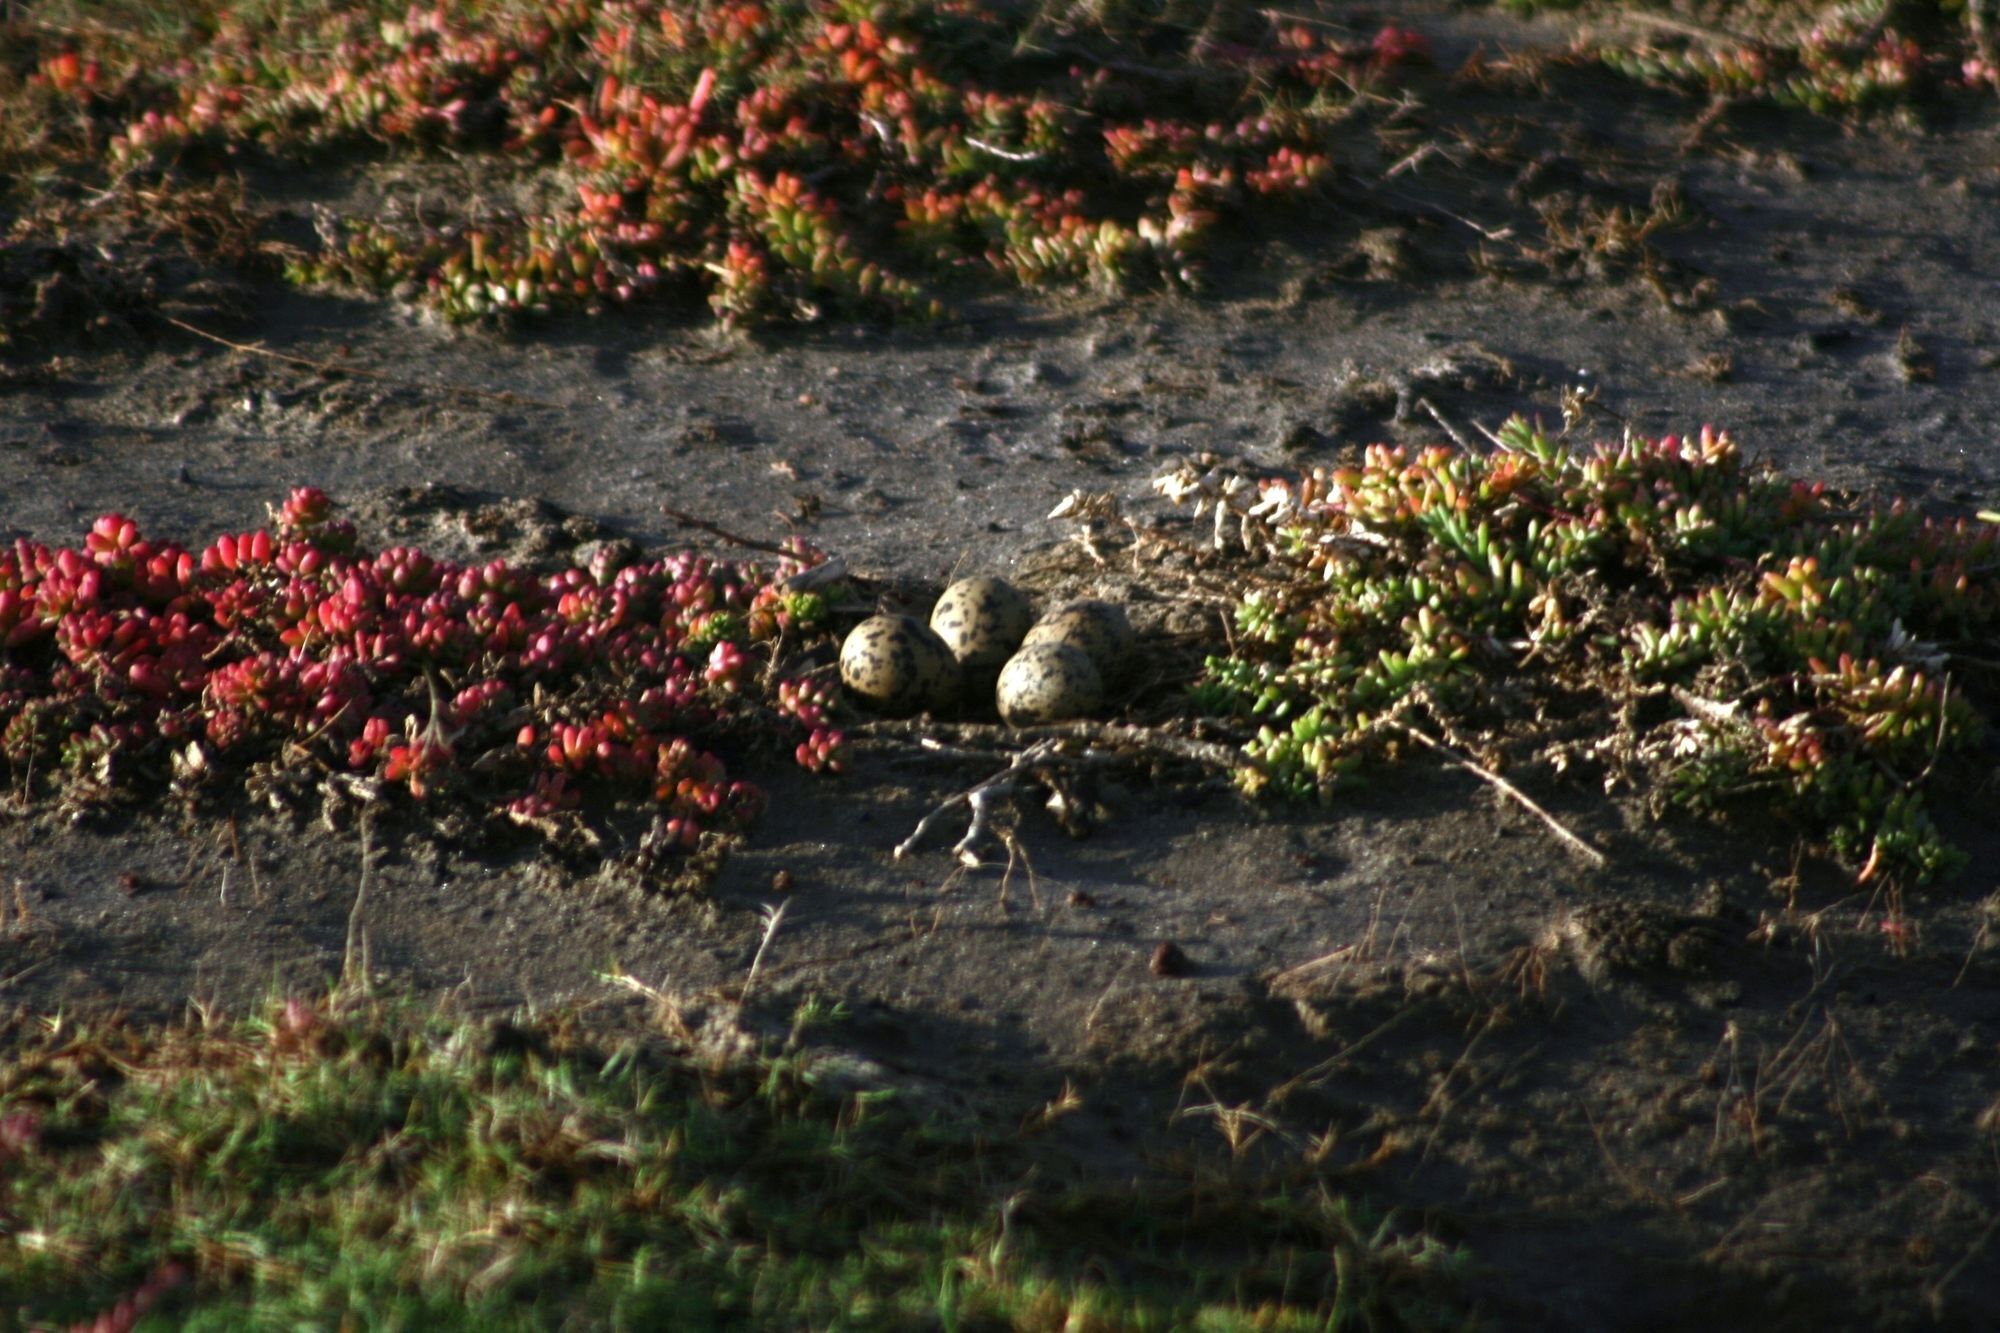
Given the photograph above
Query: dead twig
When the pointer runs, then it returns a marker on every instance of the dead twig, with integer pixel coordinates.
(1683, 28)
(979, 800)
(354, 966)
(1004, 154)
(1490, 233)
(1112, 736)
(1457, 437)
(1018, 851)
(1718, 107)
(1506, 788)
(773, 918)
(249, 860)
(16, 978)
(1714, 713)
(1345, 953)
(1314, 1074)
(334, 369)
(700, 524)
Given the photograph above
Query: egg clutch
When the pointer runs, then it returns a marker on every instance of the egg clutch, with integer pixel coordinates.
(983, 635)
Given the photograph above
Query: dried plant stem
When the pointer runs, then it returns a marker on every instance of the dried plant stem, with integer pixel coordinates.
(1104, 743)
(1506, 788)
(1104, 735)
(1683, 28)
(773, 917)
(978, 799)
(334, 368)
(688, 520)
(354, 962)
(1490, 233)
(670, 1009)
(1313, 1075)
(1458, 437)
(1018, 851)
(1344, 953)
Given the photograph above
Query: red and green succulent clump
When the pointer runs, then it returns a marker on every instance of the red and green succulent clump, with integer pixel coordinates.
(776, 158)
(1806, 646)
(126, 662)
(1846, 61)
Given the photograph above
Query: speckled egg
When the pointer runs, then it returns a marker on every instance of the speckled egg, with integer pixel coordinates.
(1048, 682)
(897, 665)
(982, 620)
(1099, 628)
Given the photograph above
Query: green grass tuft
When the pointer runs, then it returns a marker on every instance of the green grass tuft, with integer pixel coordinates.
(328, 1166)
(1804, 648)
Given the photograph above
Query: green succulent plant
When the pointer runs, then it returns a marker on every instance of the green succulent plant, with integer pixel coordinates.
(1798, 629)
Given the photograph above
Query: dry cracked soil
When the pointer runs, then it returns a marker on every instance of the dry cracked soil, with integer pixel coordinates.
(1697, 1086)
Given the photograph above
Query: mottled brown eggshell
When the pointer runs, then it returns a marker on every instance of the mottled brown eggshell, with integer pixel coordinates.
(1098, 628)
(896, 664)
(982, 620)
(1048, 682)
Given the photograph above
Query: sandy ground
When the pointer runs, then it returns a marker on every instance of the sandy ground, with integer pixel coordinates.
(1697, 1086)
